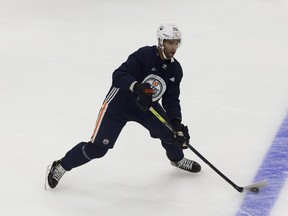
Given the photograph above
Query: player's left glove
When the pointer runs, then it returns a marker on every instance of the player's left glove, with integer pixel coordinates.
(182, 136)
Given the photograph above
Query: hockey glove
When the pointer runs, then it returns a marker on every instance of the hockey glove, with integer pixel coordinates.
(144, 98)
(181, 137)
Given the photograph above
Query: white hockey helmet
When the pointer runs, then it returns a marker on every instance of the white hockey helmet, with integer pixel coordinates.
(168, 32)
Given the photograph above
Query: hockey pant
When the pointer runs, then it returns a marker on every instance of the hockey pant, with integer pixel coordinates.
(107, 130)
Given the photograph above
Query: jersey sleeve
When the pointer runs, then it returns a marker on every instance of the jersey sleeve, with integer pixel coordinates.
(170, 100)
(126, 74)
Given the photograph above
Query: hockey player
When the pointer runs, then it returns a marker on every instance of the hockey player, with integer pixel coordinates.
(148, 75)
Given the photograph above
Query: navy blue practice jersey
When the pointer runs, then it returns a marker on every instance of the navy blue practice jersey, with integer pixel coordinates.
(145, 65)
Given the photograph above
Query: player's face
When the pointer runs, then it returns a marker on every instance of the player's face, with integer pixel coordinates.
(170, 47)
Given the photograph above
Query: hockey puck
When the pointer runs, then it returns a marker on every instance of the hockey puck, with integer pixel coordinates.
(254, 190)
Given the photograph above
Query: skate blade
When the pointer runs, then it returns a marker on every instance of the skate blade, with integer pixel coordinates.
(46, 186)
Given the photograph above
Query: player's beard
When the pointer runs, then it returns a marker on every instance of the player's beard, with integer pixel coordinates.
(169, 54)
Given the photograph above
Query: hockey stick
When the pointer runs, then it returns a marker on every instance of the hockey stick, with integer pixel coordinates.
(253, 187)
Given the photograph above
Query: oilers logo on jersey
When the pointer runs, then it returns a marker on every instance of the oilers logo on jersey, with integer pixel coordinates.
(158, 85)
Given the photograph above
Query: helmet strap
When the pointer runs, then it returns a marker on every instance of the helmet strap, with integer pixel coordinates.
(162, 50)
(161, 46)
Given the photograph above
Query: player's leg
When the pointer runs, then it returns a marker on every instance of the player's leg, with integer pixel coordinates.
(174, 153)
(104, 137)
(103, 140)
(158, 130)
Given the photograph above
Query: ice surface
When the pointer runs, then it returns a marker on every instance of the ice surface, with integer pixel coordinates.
(56, 61)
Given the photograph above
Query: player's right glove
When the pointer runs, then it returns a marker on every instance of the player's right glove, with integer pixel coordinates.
(144, 98)
(181, 137)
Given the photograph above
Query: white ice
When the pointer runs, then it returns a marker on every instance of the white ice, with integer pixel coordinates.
(56, 61)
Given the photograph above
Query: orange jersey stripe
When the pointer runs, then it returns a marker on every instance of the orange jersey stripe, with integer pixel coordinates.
(102, 111)
(99, 119)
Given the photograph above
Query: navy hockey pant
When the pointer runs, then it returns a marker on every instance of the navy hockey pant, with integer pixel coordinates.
(107, 130)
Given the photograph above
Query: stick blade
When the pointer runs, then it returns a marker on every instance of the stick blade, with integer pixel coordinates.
(257, 185)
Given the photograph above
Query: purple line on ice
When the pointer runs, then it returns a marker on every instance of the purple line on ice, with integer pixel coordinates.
(274, 168)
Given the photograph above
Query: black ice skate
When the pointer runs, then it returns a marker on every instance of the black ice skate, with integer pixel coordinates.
(54, 174)
(188, 165)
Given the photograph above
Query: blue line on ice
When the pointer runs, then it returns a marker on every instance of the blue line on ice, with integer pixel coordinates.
(274, 168)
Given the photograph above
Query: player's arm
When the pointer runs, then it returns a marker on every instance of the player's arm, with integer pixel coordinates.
(124, 77)
(171, 102)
